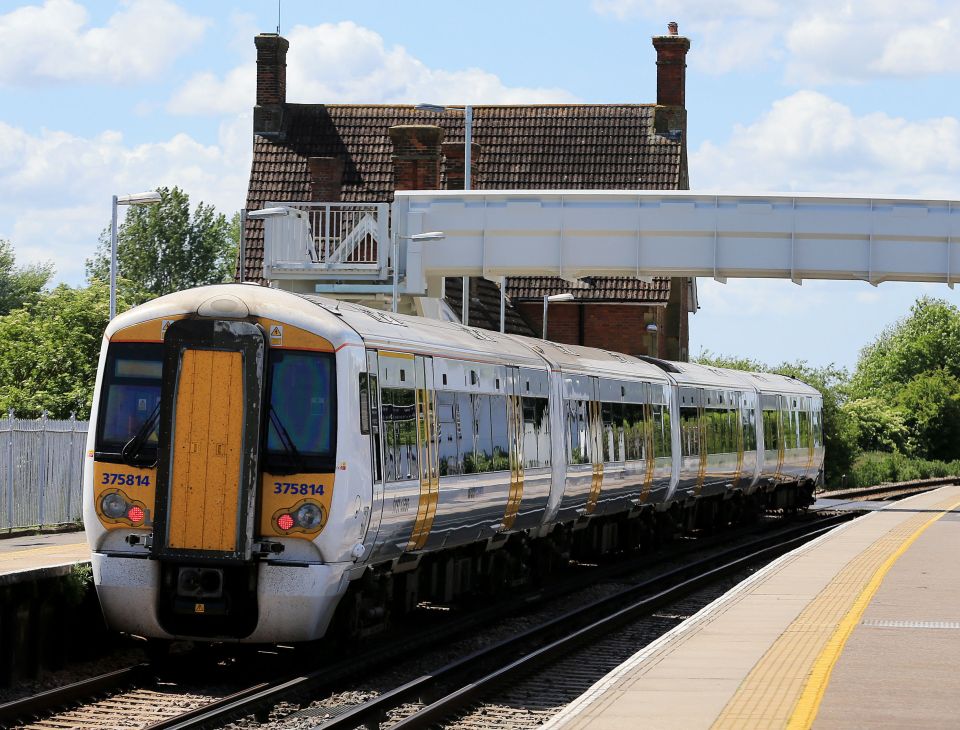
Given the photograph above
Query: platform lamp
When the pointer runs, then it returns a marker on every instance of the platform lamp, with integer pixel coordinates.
(149, 198)
(467, 164)
(565, 297)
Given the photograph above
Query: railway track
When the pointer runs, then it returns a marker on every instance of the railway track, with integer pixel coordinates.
(136, 698)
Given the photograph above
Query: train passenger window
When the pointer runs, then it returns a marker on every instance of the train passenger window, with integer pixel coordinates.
(130, 398)
(399, 409)
(749, 425)
(578, 432)
(500, 428)
(448, 436)
(662, 445)
(771, 433)
(689, 431)
(468, 433)
(536, 432)
(805, 433)
(302, 411)
(817, 426)
(483, 443)
(633, 431)
(611, 415)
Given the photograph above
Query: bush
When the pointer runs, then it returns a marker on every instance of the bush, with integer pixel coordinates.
(876, 467)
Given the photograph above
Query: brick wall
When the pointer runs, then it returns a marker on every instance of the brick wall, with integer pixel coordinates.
(617, 327)
(416, 156)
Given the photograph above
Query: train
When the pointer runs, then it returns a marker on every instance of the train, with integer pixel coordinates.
(271, 467)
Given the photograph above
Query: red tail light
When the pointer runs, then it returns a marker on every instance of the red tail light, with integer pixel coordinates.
(135, 514)
(285, 522)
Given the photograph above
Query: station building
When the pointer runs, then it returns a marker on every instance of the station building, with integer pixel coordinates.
(362, 153)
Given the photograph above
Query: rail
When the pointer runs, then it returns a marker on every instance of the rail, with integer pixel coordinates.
(316, 238)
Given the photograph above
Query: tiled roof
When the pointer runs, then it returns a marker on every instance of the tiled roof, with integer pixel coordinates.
(581, 146)
(591, 289)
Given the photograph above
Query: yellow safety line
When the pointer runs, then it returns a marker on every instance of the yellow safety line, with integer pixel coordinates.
(45, 550)
(805, 711)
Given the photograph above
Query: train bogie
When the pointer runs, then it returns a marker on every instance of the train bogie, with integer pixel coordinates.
(257, 455)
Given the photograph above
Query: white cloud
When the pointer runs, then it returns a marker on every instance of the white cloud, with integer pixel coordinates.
(53, 42)
(821, 41)
(57, 185)
(808, 141)
(345, 62)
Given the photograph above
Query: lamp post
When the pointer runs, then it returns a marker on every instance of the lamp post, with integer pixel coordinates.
(428, 236)
(565, 297)
(149, 198)
(467, 164)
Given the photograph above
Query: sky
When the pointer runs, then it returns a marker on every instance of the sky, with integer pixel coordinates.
(855, 97)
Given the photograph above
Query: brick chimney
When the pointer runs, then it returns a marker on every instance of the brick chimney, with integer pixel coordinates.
(271, 84)
(671, 66)
(453, 164)
(326, 178)
(416, 156)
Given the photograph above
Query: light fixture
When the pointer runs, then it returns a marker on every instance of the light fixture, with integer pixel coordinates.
(151, 197)
(270, 212)
(565, 297)
(652, 328)
(428, 236)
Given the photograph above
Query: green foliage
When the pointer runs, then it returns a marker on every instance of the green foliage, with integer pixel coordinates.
(77, 583)
(163, 248)
(19, 285)
(930, 405)
(49, 351)
(928, 339)
(839, 428)
(872, 468)
(880, 426)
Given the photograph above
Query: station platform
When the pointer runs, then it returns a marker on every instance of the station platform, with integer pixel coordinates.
(858, 628)
(35, 557)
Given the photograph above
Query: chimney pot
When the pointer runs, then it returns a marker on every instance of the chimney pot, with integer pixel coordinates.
(673, 28)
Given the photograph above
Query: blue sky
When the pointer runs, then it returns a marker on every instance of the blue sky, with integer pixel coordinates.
(105, 97)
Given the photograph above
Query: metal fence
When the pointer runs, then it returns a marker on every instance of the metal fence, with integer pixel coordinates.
(41, 470)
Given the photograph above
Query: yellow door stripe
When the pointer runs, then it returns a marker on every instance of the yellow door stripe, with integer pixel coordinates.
(650, 455)
(805, 711)
(702, 432)
(785, 687)
(429, 475)
(596, 437)
(516, 463)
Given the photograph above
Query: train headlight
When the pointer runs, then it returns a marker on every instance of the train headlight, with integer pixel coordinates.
(308, 516)
(113, 505)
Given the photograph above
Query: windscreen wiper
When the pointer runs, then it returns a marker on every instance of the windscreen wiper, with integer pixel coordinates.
(130, 452)
(286, 441)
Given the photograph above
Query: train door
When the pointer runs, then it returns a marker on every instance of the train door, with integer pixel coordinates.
(426, 415)
(213, 387)
(370, 426)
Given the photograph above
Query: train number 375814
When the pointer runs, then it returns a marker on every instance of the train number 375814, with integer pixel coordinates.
(128, 480)
(293, 488)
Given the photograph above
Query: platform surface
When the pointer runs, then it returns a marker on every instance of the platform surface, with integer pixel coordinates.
(857, 629)
(41, 556)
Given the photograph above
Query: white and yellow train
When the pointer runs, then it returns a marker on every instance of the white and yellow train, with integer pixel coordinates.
(258, 458)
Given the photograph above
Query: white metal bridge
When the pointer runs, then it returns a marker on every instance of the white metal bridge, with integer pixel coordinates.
(574, 234)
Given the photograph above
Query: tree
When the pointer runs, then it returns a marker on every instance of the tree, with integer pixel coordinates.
(927, 339)
(930, 404)
(162, 248)
(880, 426)
(49, 351)
(18, 285)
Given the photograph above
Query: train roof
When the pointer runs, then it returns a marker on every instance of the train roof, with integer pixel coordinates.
(592, 360)
(776, 383)
(407, 333)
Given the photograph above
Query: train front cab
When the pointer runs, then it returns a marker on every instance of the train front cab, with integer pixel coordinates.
(203, 462)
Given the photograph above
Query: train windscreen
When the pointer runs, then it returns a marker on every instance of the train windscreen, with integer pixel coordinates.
(130, 399)
(301, 422)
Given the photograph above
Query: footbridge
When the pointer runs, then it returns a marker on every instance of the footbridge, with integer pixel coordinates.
(575, 234)
(642, 234)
